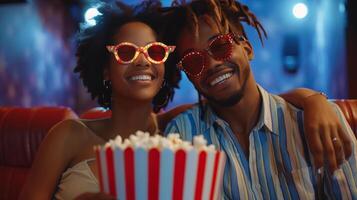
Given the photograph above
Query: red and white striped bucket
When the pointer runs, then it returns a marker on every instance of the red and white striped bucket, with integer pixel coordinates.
(164, 174)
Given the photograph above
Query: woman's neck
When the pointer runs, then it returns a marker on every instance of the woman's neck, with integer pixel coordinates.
(129, 117)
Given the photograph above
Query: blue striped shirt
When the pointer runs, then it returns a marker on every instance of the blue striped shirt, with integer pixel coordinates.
(279, 164)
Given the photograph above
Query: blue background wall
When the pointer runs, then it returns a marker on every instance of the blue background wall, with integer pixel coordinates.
(35, 64)
(36, 61)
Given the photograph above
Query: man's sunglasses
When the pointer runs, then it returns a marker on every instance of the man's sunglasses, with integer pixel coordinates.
(220, 48)
(155, 52)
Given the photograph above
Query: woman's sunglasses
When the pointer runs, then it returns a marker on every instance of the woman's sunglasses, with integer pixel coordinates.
(220, 48)
(155, 52)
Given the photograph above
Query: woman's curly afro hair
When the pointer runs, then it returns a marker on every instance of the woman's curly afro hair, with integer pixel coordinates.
(93, 58)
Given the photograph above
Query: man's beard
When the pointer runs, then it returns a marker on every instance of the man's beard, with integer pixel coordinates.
(234, 98)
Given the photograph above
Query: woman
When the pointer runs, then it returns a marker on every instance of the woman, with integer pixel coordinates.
(122, 65)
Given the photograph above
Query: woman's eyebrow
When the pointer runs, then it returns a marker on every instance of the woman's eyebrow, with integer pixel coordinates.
(150, 42)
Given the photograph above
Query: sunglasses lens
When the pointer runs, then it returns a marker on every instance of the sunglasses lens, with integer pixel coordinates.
(157, 52)
(126, 52)
(221, 48)
(193, 64)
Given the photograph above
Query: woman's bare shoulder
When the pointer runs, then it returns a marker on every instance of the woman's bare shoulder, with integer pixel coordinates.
(68, 128)
(69, 132)
(62, 146)
(71, 140)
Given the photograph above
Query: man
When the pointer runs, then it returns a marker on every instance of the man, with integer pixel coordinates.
(262, 134)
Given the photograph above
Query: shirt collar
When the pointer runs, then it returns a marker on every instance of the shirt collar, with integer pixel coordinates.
(265, 117)
(266, 112)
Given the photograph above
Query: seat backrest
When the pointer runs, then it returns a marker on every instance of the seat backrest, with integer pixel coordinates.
(163, 117)
(347, 106)
(96, 113)
(23, 129)
(21, 132)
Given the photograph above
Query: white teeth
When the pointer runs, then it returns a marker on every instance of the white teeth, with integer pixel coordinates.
(221, 78)
(141, 78)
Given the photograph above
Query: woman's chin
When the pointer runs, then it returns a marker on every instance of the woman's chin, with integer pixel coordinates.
(143, 97)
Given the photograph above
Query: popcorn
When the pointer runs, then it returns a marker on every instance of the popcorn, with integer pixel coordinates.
(156, 167)
(173, 141)
(199, 142)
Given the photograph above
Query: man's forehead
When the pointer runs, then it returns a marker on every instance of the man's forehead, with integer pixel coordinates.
(197, 38)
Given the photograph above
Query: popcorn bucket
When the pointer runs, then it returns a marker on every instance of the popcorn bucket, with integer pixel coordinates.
(137, 173)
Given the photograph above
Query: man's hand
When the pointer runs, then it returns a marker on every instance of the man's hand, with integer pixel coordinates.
(327, 140)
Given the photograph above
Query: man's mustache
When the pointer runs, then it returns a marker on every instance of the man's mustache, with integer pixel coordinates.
(222, 66)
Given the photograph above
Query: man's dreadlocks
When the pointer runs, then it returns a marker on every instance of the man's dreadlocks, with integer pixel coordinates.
(226, 15)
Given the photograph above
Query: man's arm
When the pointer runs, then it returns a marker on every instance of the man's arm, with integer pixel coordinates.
(343, 183)
(182, 125)
(165, 117)
(177, 125)
(321, 125)
(171, 128)
(298, 96)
